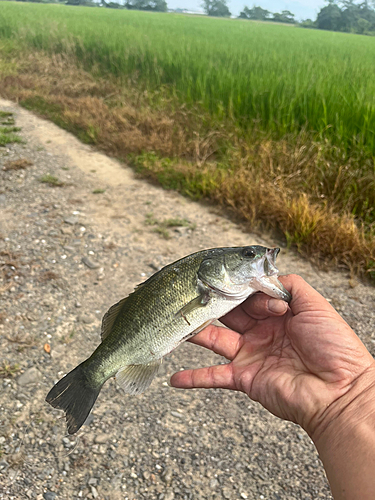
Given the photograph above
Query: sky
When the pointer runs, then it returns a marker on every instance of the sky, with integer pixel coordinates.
(302, 9)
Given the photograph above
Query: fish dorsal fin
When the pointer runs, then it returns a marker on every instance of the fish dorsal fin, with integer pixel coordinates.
(110, 317)
(134, 379)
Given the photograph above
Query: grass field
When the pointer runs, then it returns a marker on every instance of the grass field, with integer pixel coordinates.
(247, 114)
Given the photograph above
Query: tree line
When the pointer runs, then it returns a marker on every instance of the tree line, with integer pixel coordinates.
(345, 15)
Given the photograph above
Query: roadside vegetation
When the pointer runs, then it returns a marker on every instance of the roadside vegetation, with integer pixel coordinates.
(274, 122)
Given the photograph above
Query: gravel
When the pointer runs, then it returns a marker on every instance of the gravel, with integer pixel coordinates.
(164, 444)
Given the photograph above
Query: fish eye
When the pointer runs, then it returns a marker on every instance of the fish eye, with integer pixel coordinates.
(248, 253)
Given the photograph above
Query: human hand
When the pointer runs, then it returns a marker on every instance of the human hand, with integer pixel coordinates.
(301, 362)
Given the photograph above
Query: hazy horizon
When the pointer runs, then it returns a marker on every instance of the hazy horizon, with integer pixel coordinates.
(302, 9)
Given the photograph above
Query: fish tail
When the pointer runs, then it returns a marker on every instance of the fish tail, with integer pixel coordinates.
(76, 396)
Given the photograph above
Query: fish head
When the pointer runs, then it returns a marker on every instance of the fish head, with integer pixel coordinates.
(239, 272)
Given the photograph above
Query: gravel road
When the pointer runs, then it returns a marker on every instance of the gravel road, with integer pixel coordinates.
(66, 254)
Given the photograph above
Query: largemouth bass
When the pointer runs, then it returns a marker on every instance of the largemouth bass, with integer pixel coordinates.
(170, 307)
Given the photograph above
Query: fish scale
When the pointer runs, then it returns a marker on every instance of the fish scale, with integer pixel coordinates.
(171, 306)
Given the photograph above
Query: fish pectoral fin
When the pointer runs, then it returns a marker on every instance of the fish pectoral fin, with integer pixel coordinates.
(134, 379)
(201, 301)
(196, 331)
(110, 317)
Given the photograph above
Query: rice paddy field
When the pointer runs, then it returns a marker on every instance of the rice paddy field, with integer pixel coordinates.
(275, 122)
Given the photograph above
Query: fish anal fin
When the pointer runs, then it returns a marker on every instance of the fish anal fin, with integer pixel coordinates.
(110, 317)
(201, 301)
(134, 379)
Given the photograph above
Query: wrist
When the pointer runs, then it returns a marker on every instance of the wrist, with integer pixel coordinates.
(340, 418)
(345, 440)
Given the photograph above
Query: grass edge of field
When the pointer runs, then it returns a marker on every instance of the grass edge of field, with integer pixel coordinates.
(312, 229)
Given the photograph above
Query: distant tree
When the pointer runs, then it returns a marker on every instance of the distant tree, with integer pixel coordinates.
(329, 17)
(153, 5)
(217, 8)
(307, 23)
(363, 25)
(245, 13)
(256, 13)
(87, 3)
(111, 5)
(346, 15)
(285, 17)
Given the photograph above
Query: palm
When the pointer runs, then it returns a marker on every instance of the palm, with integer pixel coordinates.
(294, 364)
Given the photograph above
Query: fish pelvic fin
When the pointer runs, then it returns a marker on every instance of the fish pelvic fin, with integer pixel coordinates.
(76, 396)
(134, 379)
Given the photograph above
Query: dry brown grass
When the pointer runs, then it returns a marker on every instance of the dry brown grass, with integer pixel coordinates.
(19, 164)
(288, 185)
(48, 276)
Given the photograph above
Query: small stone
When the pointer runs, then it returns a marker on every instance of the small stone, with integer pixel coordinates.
(66, 442)
(92, 481)
(87, 319)
(146, 475)
(133, 475)
(2, 439)
(72, 220)
(243, 495)
(30, 376)
(94, 492)
(214, 483)
(167, 475)
(49, 495)
(3, 465)
(101, 438)
(227, 493)
(91, 264)
(169, 495)
(3, 199)
(78, 304)
(176, 414)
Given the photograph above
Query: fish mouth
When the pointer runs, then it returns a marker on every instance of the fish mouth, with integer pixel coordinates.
(267, 279)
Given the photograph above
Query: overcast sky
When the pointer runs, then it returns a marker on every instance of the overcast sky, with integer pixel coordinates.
(302, 9)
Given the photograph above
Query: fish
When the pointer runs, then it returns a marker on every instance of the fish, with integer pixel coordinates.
(170, 307)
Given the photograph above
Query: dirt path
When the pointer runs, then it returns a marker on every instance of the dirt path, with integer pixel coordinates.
(66, 255)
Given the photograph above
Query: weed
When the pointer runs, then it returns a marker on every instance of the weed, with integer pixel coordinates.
(9, 130)
(48, 276)
(98, 191)
(178, 223)
(22, 163)
(161, 226)
(8, 370)
(51, 180)
(8, 138)
(150, 219)
(162, 231)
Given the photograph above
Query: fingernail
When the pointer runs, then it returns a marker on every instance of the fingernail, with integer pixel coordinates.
(277, 306)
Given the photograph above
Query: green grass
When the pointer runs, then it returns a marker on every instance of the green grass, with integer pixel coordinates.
(7, 131)
(276, 77)
(51, 180)
(161, 227)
